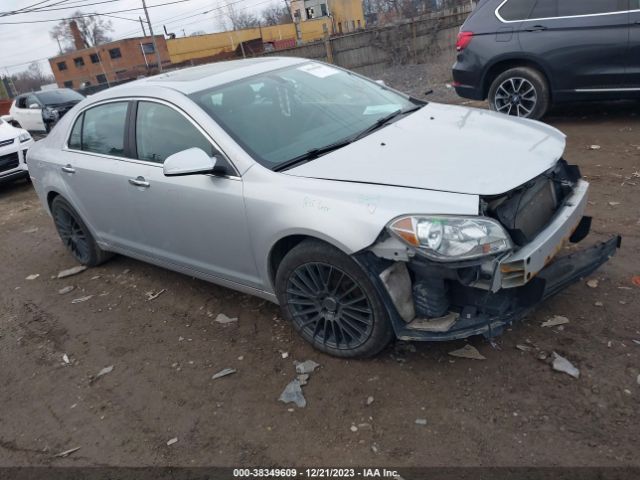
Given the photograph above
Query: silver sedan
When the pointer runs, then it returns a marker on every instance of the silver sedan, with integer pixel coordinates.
(365, 213)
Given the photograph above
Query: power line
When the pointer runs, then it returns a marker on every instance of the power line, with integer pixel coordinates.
(46, 9)
(92, 14)
(13, 12)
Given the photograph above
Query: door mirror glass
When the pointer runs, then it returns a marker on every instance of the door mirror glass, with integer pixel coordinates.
(192, 161)
(34, 106)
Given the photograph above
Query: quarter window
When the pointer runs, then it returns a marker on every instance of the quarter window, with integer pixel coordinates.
(161, 131)
(75, 139)
(515, 10)
(103, 129)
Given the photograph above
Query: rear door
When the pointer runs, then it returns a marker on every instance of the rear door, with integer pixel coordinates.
(633, 67)
(193, 221)
(583, 43)
(90, 169)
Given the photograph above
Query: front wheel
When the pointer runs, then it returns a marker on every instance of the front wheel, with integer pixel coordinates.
(75, 235)
(520, 92)
(331, 302)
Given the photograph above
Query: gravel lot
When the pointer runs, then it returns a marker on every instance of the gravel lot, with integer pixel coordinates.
(510, 409)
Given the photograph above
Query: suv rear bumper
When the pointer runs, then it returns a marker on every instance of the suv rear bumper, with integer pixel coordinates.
(467, 83)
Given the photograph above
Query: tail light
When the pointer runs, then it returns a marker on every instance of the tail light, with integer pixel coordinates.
(464, 39)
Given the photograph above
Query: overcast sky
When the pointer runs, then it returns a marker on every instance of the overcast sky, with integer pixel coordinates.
(22, 44)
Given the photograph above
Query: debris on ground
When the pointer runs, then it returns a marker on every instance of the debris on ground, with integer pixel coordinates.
(524, 348)
(369, 400)
(638, 380)
(637, 342)
(284, 354)
(66, 453)
(353, 428)
(593, 283)
(555, 321)
(469, 352)
(561, 364)
(81, 299)
(599, 304)
(594, 147)
(223, 319)
(614, 204)
(421, 421)
(224, 373)
(30, 230)
(71, 271)
(308, 366)
(153, 295)
(65, 359)
(32, 276)
(303, 378)
(102, 373)
(636, 280)
(292, 393)
(66, 289)
(172, 441)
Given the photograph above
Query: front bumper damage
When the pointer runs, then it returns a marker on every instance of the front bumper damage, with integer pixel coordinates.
(484, 299)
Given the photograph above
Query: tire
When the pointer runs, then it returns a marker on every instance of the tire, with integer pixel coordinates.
(75, 235)
(520, 91)
(331, 302)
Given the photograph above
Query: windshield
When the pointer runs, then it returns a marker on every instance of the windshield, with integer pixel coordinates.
(56, 97)
(282, 114)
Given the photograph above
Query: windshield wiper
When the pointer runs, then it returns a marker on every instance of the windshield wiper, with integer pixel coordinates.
(381, 122)
(311, 155)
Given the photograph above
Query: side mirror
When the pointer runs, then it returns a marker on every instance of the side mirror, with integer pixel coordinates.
(381, 82)
(34, 106)
(192, 161)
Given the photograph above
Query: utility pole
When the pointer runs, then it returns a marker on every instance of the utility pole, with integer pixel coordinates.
(144, 32)
(296, 25)
(153, 38)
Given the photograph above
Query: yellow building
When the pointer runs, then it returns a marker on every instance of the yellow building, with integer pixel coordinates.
(344, 15)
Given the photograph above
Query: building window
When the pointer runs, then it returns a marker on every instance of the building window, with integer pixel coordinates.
(101, 78)
(95, 58)
(353, 25)
(340, 27)
(359, 25)
(62, 66)
(79, 62)
(147, 48)
(115, 53)
(323, 9)
(68, 84)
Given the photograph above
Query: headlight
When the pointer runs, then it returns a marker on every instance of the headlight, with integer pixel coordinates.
(24, 137)
(451, 238)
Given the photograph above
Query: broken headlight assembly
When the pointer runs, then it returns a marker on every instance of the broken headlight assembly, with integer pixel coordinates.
(443, 238)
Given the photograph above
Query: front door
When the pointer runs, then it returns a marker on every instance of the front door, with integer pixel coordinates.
(194, 221)
(583, 43)
(29, 118)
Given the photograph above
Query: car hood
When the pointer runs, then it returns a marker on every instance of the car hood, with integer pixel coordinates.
(447, 148)
(8, 132)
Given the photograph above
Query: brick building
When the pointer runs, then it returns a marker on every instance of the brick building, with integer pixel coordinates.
(109, 62)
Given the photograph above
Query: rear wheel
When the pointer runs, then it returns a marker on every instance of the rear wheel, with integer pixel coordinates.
(75, 235)
(331, 302)
(520, 92)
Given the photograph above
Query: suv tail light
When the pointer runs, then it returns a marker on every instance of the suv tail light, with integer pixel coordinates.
(464, 39)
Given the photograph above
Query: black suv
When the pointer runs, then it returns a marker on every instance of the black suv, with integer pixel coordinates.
(524, 55)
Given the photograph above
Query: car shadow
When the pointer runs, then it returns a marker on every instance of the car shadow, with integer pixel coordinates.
(595, 112)
(12, 188)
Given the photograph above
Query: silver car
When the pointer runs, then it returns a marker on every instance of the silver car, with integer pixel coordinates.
(365, 213)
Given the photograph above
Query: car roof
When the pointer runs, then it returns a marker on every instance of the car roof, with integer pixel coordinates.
(194, 79)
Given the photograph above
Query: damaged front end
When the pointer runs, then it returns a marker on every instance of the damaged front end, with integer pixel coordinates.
(445, 278)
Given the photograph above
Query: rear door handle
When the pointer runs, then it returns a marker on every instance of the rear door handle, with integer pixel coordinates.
(68, 169)
(536, 28)
(139, 182)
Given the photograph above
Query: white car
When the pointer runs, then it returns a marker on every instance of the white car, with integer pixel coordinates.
(14, 143)
(40, 111)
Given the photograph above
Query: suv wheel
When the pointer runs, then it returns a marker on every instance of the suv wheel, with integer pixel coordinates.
(331, 302)
(521, 92)
(75, 235)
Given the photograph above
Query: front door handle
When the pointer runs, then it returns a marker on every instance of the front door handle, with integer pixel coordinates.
(139, 182)
(536, 28)
(68, 169)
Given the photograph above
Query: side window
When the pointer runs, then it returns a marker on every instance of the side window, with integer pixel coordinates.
(515, 10)
(75, 140)
(591, 7)
(161, 131)
(31, 99)
(545, 9)
(103, 129)
(21, 102)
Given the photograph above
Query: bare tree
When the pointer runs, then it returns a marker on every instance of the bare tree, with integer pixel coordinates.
(94, 30)
(236, 20)
(31, 79)
(276, 14)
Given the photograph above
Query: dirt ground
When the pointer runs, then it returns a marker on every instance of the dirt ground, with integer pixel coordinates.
(510, 409)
